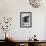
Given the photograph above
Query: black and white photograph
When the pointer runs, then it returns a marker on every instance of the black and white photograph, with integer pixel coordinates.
(25, 19)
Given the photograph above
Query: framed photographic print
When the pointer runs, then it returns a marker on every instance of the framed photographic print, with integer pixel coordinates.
(25, 19)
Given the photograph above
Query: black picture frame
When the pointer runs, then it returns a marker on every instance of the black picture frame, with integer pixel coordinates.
(26, 19)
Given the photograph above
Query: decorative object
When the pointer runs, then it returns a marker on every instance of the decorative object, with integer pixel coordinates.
(36, 3)
(6, 25)
(25, 19)
(35, 38)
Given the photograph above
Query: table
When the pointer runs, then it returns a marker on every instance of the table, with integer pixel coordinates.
(28, 43)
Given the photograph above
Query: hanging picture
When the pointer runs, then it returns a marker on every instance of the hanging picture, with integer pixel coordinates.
(25, 19)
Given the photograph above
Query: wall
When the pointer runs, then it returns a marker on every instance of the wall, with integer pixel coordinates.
(12, 8)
